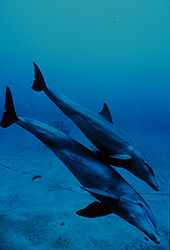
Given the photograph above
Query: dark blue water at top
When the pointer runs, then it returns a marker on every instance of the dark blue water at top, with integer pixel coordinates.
(93, 51)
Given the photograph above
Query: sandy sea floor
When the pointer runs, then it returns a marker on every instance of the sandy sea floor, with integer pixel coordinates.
(40, 214)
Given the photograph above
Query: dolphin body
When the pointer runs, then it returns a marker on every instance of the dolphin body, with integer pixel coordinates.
(99, 129)
(113, 193)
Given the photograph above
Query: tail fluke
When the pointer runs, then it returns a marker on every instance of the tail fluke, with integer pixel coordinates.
(39, 83)
(9, 117)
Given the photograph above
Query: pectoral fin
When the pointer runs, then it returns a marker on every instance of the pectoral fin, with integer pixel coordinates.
(95, 209)
(120, 160)
(100, 192)
(121, 157)
(105, 113)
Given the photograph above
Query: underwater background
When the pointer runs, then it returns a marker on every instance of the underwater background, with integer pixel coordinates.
(117, 52)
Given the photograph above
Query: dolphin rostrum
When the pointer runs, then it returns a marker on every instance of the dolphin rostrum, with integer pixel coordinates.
(101, 132)
(113, 193)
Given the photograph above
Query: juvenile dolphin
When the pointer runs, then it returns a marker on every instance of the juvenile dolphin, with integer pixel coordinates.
(113, 193)
(101, 132)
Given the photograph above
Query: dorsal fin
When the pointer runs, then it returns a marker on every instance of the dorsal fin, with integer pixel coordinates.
(106, 113)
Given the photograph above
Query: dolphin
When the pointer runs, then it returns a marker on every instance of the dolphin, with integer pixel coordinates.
(100, 130)
(112, 192)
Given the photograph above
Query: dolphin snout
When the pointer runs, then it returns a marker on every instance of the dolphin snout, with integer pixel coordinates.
(156, 238)
(150, 178)
(151, 226)
(151, 231)
(154, 185)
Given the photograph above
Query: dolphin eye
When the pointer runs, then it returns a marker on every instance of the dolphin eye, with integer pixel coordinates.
(140, 204)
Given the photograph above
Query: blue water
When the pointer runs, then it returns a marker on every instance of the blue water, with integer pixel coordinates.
(95, 51)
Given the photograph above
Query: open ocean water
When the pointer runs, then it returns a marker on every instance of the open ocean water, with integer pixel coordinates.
(94, 52)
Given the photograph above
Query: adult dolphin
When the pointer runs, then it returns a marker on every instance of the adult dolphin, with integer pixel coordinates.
(100, 131)
(113, 193)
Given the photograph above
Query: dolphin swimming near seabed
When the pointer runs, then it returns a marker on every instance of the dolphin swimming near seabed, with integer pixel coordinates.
(99, 129)
(113, 193)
